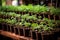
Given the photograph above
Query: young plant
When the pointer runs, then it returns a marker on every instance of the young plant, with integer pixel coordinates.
(34, 26)
(52, 10)
(57, 11)
(25, 16)
(27, 24)
(33, 17)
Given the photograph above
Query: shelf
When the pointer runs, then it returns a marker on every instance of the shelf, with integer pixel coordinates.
(13, 36)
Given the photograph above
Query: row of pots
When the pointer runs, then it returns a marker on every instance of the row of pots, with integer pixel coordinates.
(27, 32)
(47, 15)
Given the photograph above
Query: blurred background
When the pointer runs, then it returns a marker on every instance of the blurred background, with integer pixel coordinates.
(55, 3)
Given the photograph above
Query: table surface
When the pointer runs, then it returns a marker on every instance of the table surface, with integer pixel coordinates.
(13, 35)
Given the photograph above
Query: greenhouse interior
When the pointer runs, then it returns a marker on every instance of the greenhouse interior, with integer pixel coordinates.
(29, 19)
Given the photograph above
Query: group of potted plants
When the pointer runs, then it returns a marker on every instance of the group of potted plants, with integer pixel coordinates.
(34, 9)
(35, 21)
(29, 8)
(36, 26)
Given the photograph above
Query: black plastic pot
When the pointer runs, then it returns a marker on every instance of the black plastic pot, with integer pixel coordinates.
(57, 17)
(47, 36)
(10, 28)
(46, 15)
(1, 16)
(19, 30)
(33, 35)
(27, 32)
(16, 30)
(36, 35)
(51, 17)
(57, 33)
(4, 27)
(39, 37)
(0, 26)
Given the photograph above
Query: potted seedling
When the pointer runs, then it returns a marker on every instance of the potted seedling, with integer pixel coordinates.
(34, 27)
(20, 28)
(45, 29)
(57, 29)
(27, 29)
(57, 13)
(2, 23)
(22, 9)
(30, 9)
(36, 9)
(31, 18)
(10, 23)
(52, 12)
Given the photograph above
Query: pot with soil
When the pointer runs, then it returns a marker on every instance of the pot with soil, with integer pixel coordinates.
(47, 35)
(27, 31)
